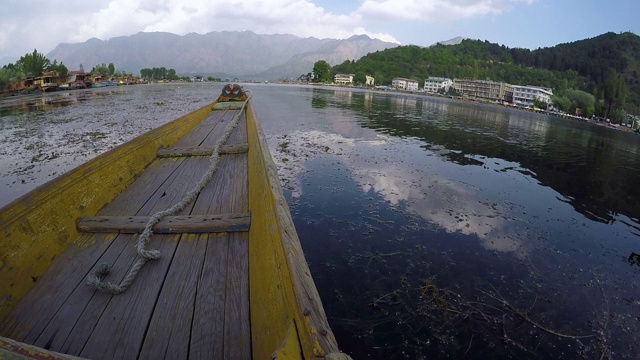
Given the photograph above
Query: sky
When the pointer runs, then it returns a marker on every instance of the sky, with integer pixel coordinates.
(26, 25)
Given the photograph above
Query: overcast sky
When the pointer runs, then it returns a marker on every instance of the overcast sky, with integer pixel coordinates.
(43, 24)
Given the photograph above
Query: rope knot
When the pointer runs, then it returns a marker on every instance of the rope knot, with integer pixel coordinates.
(103, 270)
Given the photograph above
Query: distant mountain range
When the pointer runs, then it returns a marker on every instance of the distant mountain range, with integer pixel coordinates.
(244, 54)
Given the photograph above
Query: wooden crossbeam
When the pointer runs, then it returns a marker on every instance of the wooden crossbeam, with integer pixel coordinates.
(168, 225)
(202, 151)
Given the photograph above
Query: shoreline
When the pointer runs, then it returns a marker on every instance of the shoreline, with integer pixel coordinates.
(471, 100)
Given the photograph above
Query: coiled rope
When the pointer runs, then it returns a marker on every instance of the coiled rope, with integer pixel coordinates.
(95, 279)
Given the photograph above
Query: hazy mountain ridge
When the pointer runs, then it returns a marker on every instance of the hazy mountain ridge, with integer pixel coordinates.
(242, 54)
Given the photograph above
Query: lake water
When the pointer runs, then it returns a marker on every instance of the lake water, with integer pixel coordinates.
(433, 228)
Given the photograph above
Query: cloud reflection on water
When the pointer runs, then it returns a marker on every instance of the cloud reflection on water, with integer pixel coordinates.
(390, 168)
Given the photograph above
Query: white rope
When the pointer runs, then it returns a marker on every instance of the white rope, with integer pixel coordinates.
(95, 279)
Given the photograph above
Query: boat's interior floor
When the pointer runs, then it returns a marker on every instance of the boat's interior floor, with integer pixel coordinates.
(193, 302)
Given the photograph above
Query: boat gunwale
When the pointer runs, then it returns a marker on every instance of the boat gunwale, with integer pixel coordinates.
(300, 301)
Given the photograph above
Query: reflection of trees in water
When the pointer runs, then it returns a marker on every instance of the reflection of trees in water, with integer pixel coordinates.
(594, 168)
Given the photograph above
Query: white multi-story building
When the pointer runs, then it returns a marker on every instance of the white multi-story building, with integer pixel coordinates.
(343, 79)
(525, 95)
(484, 89)
(434, 84)
(404, 84)
(370, 81)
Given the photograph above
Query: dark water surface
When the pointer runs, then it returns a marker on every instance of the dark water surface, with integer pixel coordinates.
(433, 228)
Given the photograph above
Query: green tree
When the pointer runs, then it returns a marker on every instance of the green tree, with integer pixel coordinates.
(598, 108)
(101, 69)
(322, 71)
(159, 74)
(10, 74)
(33, 64)
(60, 68)
(112, 69)
(562, 103)
(171, 75)
(360, 77)
(615, 94)
(540, 104)
(580, 100)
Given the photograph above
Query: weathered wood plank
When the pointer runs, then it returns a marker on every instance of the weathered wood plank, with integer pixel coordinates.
(237, 326)
(228, 192)
(229, 189)
(121, 325)
(72, 266)
(14, 350)
(67, 274)
(82, 300)
(98, 325)
(168, 225)
(33, 229)
(213, 137)
(239, 136)
(170, 328)
(202, 151)
(228, 105)
(207, 332)
(211, 126)
(96, 321)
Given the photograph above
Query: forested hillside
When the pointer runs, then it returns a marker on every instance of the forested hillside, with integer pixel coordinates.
(581, 65)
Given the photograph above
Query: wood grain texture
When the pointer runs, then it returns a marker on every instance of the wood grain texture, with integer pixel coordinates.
(33, 230)
(207, 332)
(125, 318)
(66, 276)
(168, 225)
(169, 331)
(202, 151)
(237, 324)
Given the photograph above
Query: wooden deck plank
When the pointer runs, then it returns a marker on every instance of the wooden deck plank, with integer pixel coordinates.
(143, 292)
(207, 337)
(169, 193)
(56, 336)
(69, 282)
(213, 137)
(121, 325)
(170, 328)
(98, 325)
(168, 225)
(212, 126)
(239, 135)
(207, 332)
(73, 265)
(202, 150)
(148, 186)
(237, 326)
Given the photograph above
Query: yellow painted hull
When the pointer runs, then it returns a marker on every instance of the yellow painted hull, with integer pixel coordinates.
(287, 318)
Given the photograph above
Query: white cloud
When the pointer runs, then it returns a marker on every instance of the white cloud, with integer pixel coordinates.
(434, 10)
(298, 17)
